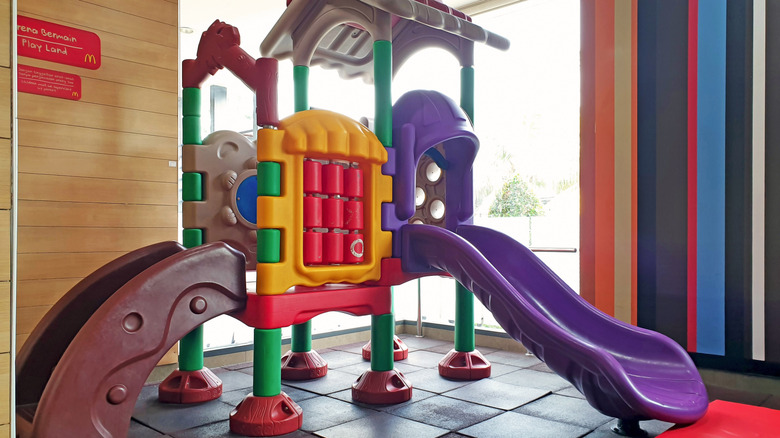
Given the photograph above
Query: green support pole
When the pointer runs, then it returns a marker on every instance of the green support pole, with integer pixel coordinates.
(383, 326)
(301, 84)
(464, 319)
(301, 337)
(382, 330)
(191, 350)
(267, 371)
(467, 91)
(191, 345)
(464, 300)
(301, 333)
(383, 97)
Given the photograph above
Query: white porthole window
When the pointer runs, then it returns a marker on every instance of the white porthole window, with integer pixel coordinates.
(432, 172)
(437, 209)
(419, 196)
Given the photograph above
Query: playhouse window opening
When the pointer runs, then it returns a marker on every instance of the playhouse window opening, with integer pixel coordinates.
(333, 218)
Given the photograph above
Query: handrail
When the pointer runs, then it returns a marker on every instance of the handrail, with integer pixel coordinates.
(551, 249)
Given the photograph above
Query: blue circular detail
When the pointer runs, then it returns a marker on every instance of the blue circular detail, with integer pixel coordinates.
(246, 199)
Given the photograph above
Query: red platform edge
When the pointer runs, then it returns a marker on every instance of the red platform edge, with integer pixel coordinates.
(301, 304)
(303, 365)
(400, 350)
(382, 388)
(266, 416)
(464, 365)
(393, 274)
(727, 420)
(184, 387)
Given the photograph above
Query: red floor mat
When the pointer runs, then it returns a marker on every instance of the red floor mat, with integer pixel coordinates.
(731, 420)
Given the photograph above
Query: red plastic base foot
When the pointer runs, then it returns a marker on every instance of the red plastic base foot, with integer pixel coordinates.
(185, 387)
(382, 388)
(400, 350)
(461, 365)
(303, 365)
(266, 416)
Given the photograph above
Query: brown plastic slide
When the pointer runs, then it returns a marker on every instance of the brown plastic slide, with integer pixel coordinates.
(82, 368)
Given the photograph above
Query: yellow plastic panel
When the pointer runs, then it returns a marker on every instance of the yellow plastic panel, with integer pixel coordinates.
(327, 136)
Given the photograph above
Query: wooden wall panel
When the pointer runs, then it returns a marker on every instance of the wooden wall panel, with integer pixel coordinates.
(129, 96)
(42, 292)
(165, 12)
(125, 23)
(66, 188)
(78, 138)
(78, 214)
(5, 243)
(110, 118)
(67, 239)
(5, 316)
(98, 176)
(89, 165)
(27, 318)
(119, 71)
(5, 388)
(121, 47)
(5, 171)
(5, 35)
(61, 265)
(20, 341)
(5, 103)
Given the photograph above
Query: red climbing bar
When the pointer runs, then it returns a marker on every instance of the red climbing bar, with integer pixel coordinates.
(332, 248)
(354, 247)
(353, 215)
(312, 212)
(312, 248)
(333, 179)
(312, 177)
(353, 183)
(333, 213)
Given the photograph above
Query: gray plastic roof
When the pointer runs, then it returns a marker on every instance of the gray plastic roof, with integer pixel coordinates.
(324, 33)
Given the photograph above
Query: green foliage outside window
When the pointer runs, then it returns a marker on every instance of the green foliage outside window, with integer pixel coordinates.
(516, 199)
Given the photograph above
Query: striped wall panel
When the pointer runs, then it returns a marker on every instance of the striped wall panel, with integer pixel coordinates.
(608, 155)
(680, 215)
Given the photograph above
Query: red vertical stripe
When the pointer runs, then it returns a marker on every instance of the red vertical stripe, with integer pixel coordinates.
(693, 43)
(605, 156)
(587, 152)
(634, 169)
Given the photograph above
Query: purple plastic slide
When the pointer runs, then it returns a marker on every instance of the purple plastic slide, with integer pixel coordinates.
(624, 371)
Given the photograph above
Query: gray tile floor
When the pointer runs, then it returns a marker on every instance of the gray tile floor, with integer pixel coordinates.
(521, 399)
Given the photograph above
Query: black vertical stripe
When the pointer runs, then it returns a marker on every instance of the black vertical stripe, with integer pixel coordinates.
(662, 198)
(646, 165)
(739, 146)
(772, 234)
(672, 169)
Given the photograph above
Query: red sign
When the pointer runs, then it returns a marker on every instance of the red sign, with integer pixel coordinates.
(46, 82)
(56, 43)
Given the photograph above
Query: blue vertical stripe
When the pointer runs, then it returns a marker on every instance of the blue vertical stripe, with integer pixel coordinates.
(711, 179)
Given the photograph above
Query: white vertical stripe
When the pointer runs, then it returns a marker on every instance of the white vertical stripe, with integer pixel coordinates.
(759, 169)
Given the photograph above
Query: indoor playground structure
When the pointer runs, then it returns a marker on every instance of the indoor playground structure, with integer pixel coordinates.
(331, 215)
